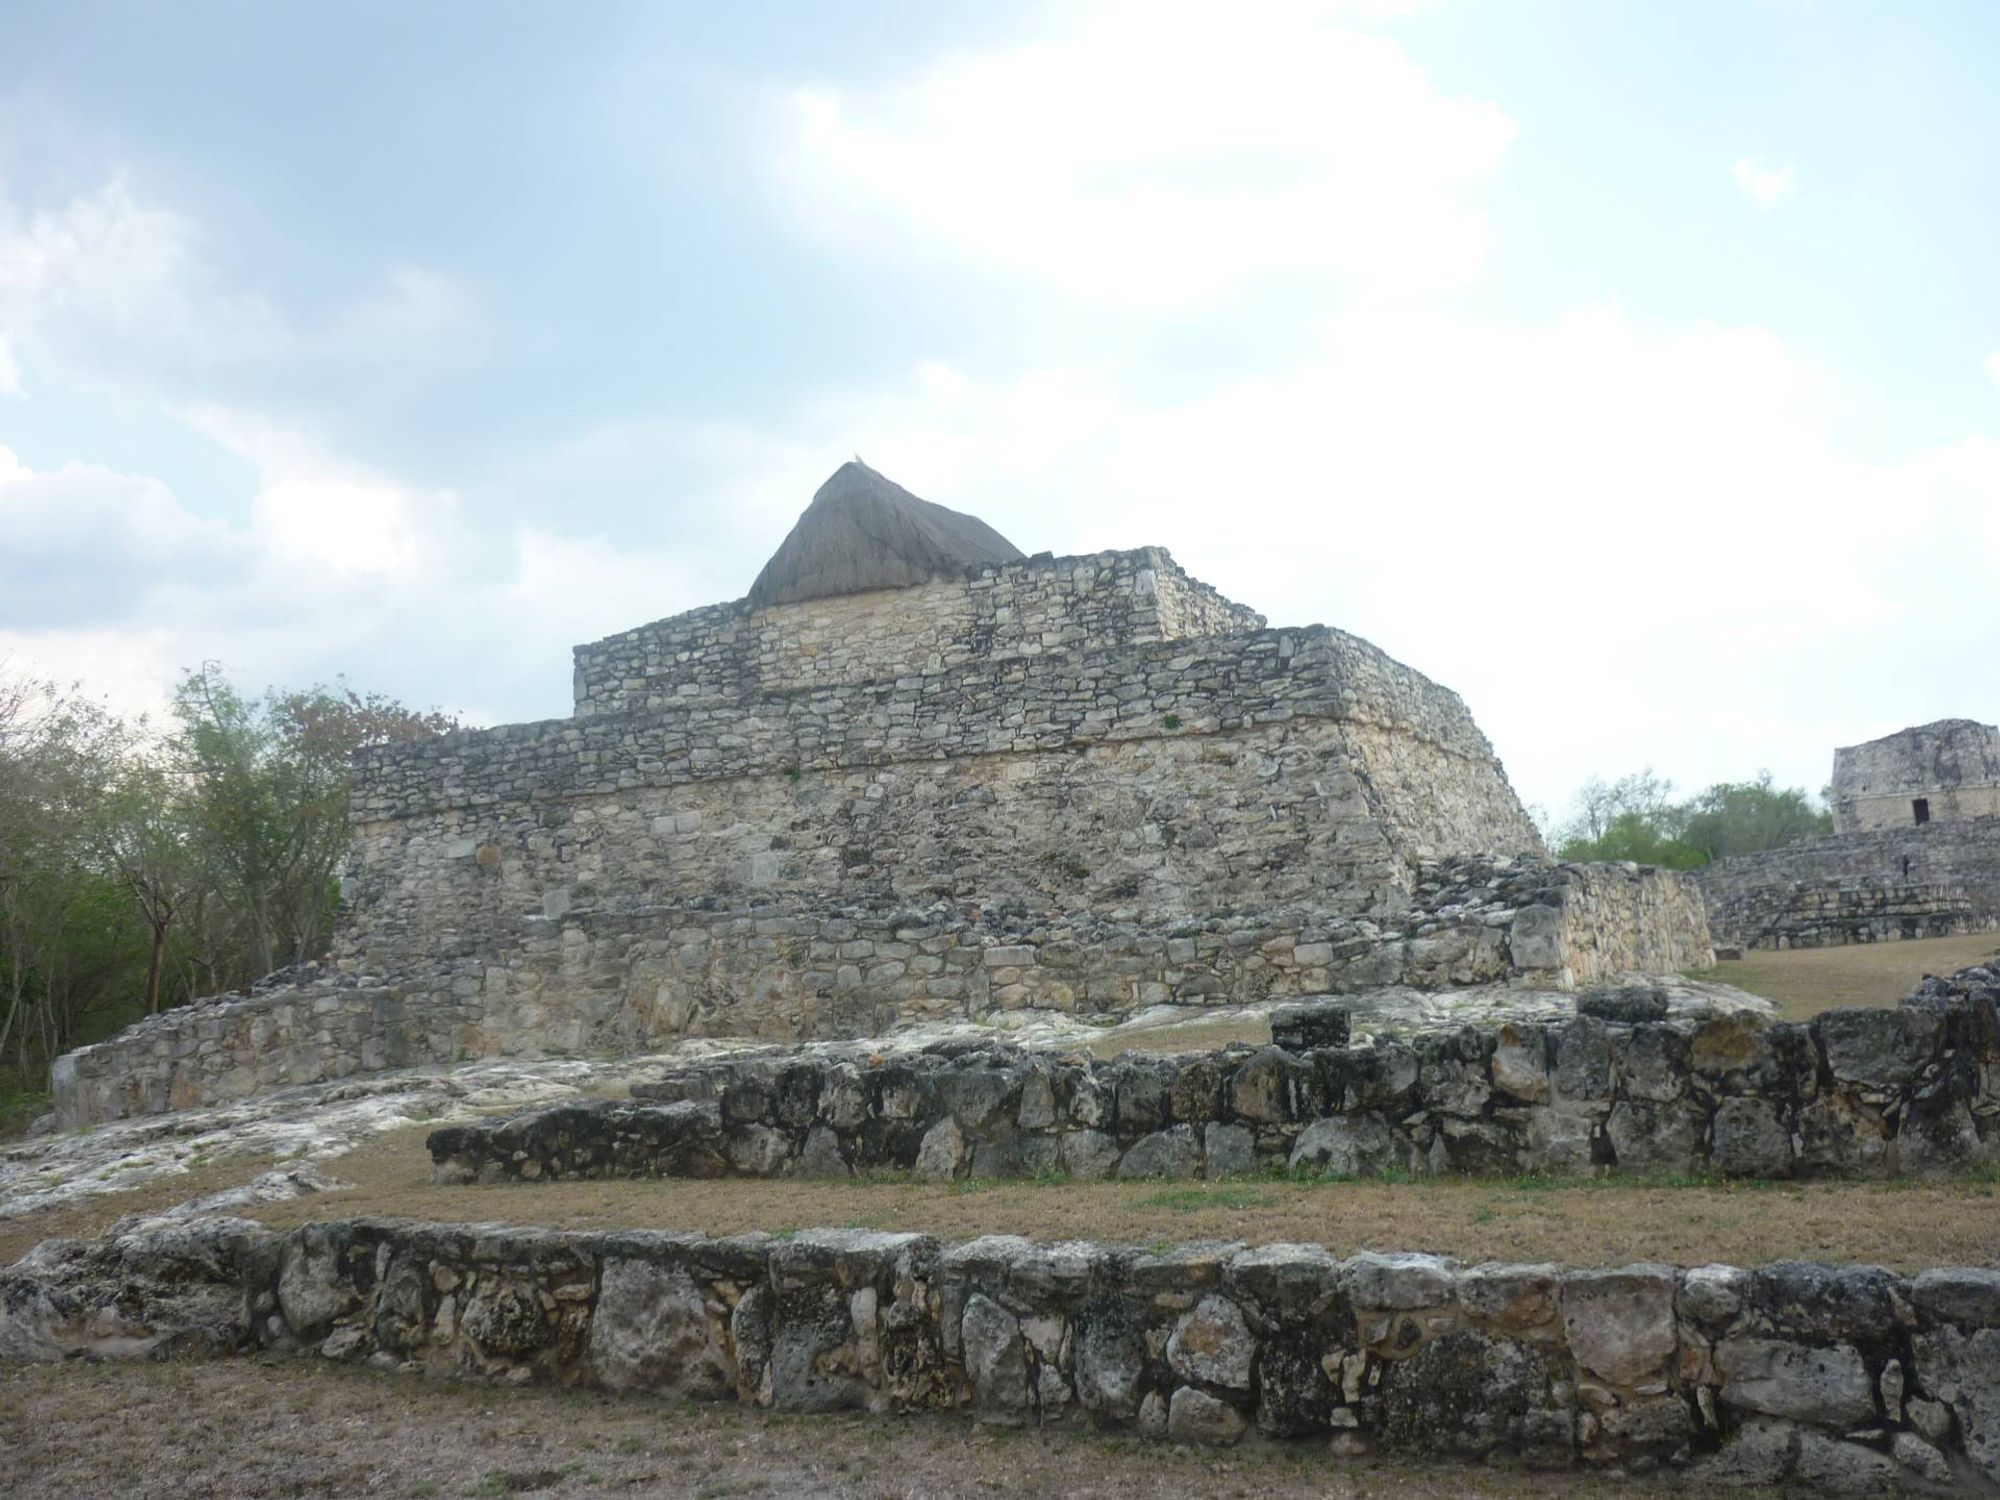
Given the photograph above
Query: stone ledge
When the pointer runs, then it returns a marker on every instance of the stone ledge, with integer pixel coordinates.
(1852, 1092)
(1845, 1377)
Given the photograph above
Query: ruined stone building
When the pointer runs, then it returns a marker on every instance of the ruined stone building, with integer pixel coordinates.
(1947, 772)
(1915, 851)
(916, 775)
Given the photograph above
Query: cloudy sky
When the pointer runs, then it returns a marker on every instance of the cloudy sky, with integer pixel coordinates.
(1633, 369)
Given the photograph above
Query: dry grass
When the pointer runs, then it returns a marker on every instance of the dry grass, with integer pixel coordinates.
(127, 1430)
(1806, 981)
(1897, 1224)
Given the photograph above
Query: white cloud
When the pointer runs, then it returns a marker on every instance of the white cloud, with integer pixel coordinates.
(1762, 182)
(1622, 544)
(316, 509)
(1160, 153)
(116, 290)
(1993, 366)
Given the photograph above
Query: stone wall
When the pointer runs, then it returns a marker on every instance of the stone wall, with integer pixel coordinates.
(1038, 606)
(1161, 780)
(611, 980)
(1834, 913)
(1912, 1089)
(1744, 889)
(1843, 1378)
(1953, 765)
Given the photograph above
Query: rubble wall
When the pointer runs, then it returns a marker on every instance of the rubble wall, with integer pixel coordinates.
(1844, 1378)
(612, 980)
(1745, 891)
(1853, 1092)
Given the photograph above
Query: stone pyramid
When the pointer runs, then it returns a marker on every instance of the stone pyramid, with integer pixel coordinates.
(862, 532)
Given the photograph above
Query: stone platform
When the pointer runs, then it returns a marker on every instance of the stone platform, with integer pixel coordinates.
(1914, 1088)
(1848, 1379)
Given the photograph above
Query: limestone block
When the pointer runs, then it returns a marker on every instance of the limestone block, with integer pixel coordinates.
(1175, 1152)
(1777, 1379)
(996, 1360)
(1620, 1324)
(1345, 1146)
(652, 1329)
(1196, 1417)
(1212, 1345)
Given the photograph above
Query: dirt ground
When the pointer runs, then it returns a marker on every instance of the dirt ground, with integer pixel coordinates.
(1806, 981)
(327, 1430)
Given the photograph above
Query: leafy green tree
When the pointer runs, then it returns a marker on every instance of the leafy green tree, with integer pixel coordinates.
(1637, 818)
(266, 782)
(1745, 817)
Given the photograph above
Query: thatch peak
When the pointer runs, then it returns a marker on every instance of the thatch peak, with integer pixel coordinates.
(864, 531)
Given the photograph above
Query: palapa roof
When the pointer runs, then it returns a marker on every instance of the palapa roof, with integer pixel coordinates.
(863, 531)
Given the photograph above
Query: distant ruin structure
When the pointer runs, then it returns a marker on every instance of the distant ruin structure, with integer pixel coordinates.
(915, 776)
(1915, 851)
(1947, 772)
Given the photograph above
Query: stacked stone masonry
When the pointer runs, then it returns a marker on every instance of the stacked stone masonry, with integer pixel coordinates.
(1912, 1089)
(1082, 784)
(1035, 607)
(1834, 913)
(1934, 773)
(1848, 1379)
(1944, 874)
(618, 981)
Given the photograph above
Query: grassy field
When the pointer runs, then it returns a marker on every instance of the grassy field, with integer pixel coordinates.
(1903, 1224)
(331, 1430)
(1806, 981)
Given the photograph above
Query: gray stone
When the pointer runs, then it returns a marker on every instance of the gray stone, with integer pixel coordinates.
(1197, 1417)
(1913, 1453)
(312, 1291)
(1749, 1140)
(1759, 1452)
(1110, 1362)
(1229, 1150)
(1516, 1298)
(1345, 1146)
(942, 1154)
(1307, 1026)
(1960, 1294)
(1173, 1152)
(1877, 1049)
(1831, 1467)
(1520, 1063)
(1713, 1296)
(1620, 1324)
(1829, 1386)
(1962, 1370)
(1213, 1345)
(1646, 1136)
(996, 1360)
(1399, 1282)
(1089, 1155)
(652, 1329)
(1466, 1392)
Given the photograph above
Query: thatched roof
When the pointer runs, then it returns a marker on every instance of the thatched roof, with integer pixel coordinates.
(863, 532)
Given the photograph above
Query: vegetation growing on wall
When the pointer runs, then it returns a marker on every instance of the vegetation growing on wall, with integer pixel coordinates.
(144, 864)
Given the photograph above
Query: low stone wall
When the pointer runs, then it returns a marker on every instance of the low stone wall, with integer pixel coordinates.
(1836, 912)
(596, 982)
(1846, 1378)
(1913, 1089)
(1745, 889)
